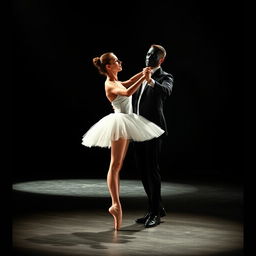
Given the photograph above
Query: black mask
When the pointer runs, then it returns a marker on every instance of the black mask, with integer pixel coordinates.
(152, 57)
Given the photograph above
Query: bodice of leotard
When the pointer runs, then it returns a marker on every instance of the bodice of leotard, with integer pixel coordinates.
(122, 104)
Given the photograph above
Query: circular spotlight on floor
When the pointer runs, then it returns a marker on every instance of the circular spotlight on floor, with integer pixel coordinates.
(96, 188)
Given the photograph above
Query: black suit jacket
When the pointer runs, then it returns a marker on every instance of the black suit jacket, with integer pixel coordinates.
(153, 98)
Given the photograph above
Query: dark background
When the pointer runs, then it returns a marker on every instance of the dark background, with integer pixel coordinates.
(58, 94)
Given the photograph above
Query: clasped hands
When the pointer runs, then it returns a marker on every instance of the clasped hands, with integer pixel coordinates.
(147, 73)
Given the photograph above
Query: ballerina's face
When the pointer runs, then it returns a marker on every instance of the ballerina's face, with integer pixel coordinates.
(115, 64)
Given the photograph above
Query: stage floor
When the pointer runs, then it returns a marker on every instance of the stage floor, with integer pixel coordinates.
(69, 217)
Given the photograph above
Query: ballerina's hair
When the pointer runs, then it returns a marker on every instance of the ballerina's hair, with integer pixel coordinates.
(101, 62)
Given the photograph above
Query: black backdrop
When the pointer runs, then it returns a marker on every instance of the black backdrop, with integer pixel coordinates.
(58, 94)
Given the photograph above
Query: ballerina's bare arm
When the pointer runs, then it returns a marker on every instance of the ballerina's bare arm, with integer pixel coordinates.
(116, 88)
(132, 80)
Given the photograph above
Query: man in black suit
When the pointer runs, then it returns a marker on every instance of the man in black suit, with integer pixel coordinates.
(148, 102)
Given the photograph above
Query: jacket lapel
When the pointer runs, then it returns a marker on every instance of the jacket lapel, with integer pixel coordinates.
(144, 93)
(154, 76)
(157, 73)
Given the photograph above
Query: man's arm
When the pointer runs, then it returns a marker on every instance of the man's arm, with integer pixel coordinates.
(165, 87)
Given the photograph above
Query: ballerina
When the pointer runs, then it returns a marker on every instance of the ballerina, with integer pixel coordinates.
(117, 129)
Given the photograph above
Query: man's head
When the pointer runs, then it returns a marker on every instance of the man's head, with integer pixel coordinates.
(155, 56)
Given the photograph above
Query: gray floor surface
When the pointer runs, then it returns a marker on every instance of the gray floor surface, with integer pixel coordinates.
(69, 217)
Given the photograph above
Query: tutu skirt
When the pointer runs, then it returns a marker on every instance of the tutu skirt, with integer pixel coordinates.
(119, 125)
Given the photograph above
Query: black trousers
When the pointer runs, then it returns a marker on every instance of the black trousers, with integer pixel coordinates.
(147, 156)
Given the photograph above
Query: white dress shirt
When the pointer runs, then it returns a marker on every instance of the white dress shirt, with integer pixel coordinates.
(152, 84)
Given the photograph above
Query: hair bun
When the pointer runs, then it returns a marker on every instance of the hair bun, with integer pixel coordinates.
(96, 61)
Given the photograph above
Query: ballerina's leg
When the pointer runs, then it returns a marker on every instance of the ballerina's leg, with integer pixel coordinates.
(118, 149)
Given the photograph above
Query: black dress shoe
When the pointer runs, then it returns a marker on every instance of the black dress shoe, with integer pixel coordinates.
(152, 221)
(143, 219)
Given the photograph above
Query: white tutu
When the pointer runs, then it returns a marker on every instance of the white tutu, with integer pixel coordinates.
(120, 125)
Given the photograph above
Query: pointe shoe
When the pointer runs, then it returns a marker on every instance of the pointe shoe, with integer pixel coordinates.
(117, 214)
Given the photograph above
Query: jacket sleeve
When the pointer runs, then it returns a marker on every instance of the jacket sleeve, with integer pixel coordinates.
(165, 86)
